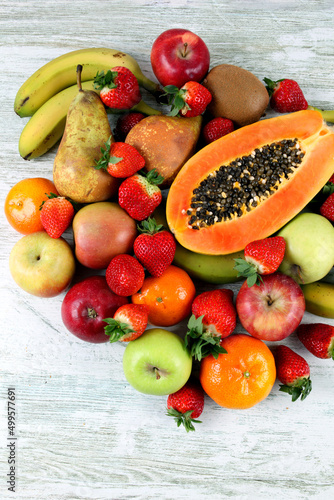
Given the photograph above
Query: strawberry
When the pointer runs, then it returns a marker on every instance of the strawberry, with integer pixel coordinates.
(128, 323)
(285, 95)
(186, 405)
(213, 317)
(216, 128)
(318, 338)
(154, 247)
(119, 88)
(190, 100)
(261, 257)
(327, 208)
(331, 180)
(140, 195)
(293, 371)
(56, 215)
(120, 159)
(125, 275)
(125, 123)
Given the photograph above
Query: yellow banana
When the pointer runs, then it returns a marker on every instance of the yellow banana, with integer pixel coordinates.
(47, 125)
(60, 73)
(319, 298)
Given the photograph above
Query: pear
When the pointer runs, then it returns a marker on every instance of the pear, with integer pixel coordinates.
(86, 132)
(166, 142)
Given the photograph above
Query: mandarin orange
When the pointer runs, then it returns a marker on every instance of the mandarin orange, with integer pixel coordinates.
(23, 201)
(168, 296)
(241, 378)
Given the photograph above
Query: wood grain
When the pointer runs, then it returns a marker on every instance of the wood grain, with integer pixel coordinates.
(83, 432)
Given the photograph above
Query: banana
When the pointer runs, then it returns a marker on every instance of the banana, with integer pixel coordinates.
(319, 298)
(47, 125)
(215, 269)
(60, 73)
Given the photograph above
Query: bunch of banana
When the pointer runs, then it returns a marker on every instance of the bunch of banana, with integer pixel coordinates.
(319, 298)
(47, 94)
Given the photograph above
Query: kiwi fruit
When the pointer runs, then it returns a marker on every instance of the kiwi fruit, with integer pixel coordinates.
(237, 94)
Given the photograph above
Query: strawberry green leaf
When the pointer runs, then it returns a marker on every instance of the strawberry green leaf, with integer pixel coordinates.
(248, 270)
(183, 418)
(102, 80)
(301, 389)
(200, 342)
(103, 162)
(116, 330)
(149, 226)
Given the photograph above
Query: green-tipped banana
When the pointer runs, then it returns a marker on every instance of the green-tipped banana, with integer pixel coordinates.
(60, 73)
(47, 125)
(319, 298)
(216, 269)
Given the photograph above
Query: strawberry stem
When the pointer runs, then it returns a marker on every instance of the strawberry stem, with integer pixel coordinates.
(183, 418)
(200, 342)
(301, 389)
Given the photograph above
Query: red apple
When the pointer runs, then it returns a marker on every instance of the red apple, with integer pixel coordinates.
(86, 305)
(179, 56)
(101, 231)
(272, 310)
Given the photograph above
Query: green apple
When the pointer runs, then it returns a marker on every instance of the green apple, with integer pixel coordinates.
(309, 253)
(41, 265)
(157, 362)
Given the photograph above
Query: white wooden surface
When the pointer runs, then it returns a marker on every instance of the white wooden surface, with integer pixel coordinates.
(83, 432)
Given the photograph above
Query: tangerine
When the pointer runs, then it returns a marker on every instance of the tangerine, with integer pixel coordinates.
(169, 296)
(23, 202)
(241, 378)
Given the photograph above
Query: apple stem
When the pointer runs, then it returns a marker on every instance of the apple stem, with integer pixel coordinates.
(185, 45)
(157, 374)
(269, 300)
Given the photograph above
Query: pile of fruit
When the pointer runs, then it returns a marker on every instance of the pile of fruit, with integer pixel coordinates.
(206, 191)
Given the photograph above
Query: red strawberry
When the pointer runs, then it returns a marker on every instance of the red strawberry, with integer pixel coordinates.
(128, 323)
(216, 128)
(56, 215)
(213, 317)
(120, 159)
(331, 179)
(293, 371)
(119, 88)
(285, 95)
(125, 123)
(261, 257)
(140, 195)
(155, 247)
(327, 208)
(190, 100)
(186, 405)
(125, 275)
(318, 338)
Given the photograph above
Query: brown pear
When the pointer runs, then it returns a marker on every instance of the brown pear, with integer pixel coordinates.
(166, 143)
(86, 132)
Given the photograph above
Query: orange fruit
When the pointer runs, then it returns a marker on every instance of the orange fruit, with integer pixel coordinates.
(241, 378)
(23, 201)
(169, 296)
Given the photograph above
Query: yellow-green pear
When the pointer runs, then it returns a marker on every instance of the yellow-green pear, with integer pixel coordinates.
(86, 132)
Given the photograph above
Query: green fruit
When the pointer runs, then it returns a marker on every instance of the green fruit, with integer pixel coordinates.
(157, 362)
(319, 298)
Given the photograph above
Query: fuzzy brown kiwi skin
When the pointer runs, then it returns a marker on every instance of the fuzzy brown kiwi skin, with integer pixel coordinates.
(237, 94)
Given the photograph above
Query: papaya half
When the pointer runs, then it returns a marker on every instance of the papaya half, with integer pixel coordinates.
(248, 184)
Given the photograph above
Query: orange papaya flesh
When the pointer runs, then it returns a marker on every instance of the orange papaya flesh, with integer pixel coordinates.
(277, 205)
